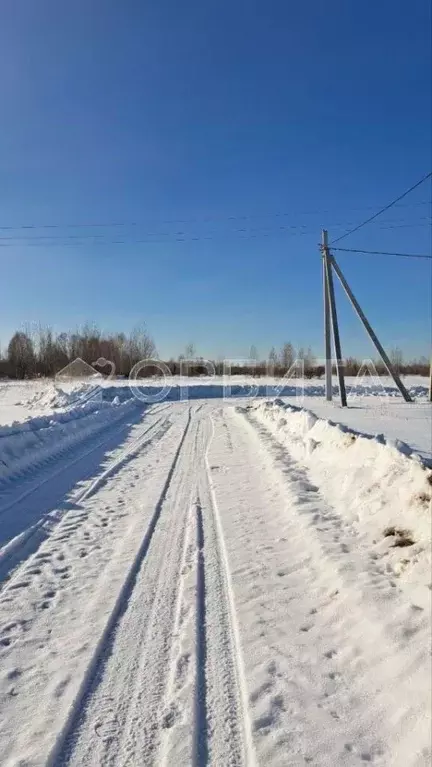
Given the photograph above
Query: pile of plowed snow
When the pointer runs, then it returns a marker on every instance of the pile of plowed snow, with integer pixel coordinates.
(53, 397)
(47, 396)
(29, 443)
(241, 386)
(384, 488)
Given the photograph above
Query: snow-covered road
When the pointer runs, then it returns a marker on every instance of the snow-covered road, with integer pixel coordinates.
(196, 594)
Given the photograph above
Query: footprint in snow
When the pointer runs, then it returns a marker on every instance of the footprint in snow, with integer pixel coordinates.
(170, 717)
(19, 585)
(61, 687)
(268, 719)
(272, 668)
(330, 654)
(11, 633)
(264, 688)
(60, 570)
(365, 756)
(13, 673)
(182, 668)
(108, 730)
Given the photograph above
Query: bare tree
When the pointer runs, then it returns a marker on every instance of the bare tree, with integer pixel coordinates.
(51, 352)
(48, 353)
(190, 351)
(287, 355)
(309, 359)
(21, 356)
(352, 366)
(396, 358)
(253, 353)
(144, 343)
(139, 346)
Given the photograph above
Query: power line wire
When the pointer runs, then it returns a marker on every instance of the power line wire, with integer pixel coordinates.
(174, 236)
(406, 226)
(382, 253)
(252, 216)
(371, 218)
(99, 242)
(234, 238)
(91, 239)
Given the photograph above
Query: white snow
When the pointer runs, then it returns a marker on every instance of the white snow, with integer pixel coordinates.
(396, 421)
(373, 480)
(214, 582)
(35, 440)
(25, 399)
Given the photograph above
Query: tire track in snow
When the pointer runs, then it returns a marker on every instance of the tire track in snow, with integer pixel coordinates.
(185, 737)
(130, 451)
(61, 454)
(177, 707)
(367, 651)
(215, 701)
(126, 689)
(53, 650)
(171, 657)
(58, 553)
(226, 697)
(28, 542)
(200, 755)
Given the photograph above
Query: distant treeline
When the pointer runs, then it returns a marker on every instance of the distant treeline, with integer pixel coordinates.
(352, 368)
(43, 353)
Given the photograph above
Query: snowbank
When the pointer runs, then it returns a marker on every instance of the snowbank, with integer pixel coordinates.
(241, 386)
(383, 486)
(22, 400)
(29, 443)
(53, 397)
(205, 387)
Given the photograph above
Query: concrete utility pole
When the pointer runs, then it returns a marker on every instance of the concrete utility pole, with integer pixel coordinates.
(369, 330)
(334, 321)
(327, 331)
(430, 381)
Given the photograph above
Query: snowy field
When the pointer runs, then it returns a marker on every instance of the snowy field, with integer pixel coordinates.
(214, 580)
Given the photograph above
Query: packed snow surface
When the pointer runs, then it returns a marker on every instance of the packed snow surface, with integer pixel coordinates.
(239, 581)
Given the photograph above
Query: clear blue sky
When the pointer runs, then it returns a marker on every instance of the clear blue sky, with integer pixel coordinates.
(149, 113)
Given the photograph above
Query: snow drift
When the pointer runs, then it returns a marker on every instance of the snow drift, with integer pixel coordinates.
(384, 488)
(32, 442)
